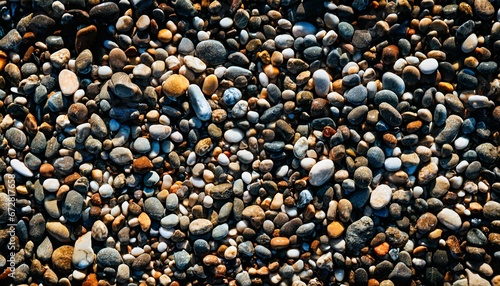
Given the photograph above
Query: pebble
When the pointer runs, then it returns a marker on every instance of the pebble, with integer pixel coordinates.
(200, 105)
(428, 66)
(358, 233)
(109, 257)
(68, 82)
(321, 172)
(321, 82)
(450, 219)
(380, 197)
(21, 168)
(175, 85)
(211, 52)
(83, 254)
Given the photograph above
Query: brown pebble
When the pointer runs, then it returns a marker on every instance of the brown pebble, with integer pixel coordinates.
(85, 38)
(279, 242)
(390, 54)
(142, 165)
(46, 170)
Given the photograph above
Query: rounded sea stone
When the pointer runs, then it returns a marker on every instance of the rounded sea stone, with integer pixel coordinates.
(363, 177)
(108, 257)
(154, 208)
(450, 219)
(381, 196)
(200, 226)
(321, 172)
(61, 258)
(211, 52)
(175, 85)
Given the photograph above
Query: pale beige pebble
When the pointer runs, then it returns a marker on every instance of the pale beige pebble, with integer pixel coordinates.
(381, 196)
(277, 201)
(99, 231)
(68, 82)
(79, 274)
(231, 252)
(427, 173)
(476, 280)
(83, 254)
(255, 214)
(60, 58)
(58, 230)
(173, 63)
(450, 219)
(195, 64)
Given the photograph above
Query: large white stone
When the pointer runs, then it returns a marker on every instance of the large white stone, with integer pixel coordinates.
(321, 172)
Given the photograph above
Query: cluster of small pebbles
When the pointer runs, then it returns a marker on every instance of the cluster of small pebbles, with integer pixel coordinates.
(270, 142)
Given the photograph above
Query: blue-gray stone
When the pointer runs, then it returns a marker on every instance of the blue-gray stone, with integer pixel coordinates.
(263, 252)
(346, 30)
(358, 233)
(199, 103)
(182, 259)
(356, 95)
(375, 156)
(305, 229)
(109, 257)
(386, 95)
(469, 125)
(246, 248)
(201, 247)
(73, 206)
(212, 52)
(440, 114)
(220, 231)
(305, 197)
(393, 82)
(231, 96)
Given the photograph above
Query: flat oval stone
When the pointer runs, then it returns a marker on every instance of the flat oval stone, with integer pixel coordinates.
(284, 41)
(321, 82)
(380, 197)
(428, 66)
(195, 64)
(234, 135)
(390, 114)
(321, 172)
(302, 29)
(106, 12)
(16, 138)
(109, 257)
(211, 52)
(200, 226)
(356, 95)
(73, 206)
(450, 219)
(121, 156)
(393, 82)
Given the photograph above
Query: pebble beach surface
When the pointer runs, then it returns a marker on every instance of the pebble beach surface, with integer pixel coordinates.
(277, 142)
